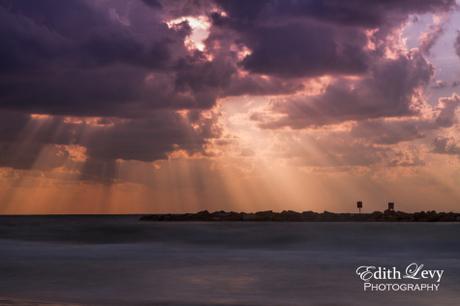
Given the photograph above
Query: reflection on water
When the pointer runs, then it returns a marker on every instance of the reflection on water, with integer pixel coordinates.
(119, 261)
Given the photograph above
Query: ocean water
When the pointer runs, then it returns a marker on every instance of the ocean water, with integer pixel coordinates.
(118, 260)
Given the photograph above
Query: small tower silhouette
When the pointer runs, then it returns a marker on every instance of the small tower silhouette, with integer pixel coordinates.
(359, 204)
(391, 206)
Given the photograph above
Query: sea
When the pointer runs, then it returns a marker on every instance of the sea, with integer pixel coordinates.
(119, 260)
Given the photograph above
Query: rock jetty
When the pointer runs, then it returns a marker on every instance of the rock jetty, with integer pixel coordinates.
(308, 216)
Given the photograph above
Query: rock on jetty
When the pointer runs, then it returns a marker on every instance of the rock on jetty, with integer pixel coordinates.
(308, 216)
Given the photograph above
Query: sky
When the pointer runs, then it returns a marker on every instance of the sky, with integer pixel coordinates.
(114, 106)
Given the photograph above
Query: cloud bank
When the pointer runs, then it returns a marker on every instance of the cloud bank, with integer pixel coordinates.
(126, 80)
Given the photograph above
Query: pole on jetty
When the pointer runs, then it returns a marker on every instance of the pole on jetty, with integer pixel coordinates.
(359, 204)
(391, 206)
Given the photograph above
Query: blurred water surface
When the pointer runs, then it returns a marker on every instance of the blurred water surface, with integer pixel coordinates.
(117, 260)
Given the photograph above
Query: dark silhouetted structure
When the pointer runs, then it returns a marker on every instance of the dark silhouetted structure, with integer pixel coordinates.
(359, 204)
(307, 216)
(391, 206)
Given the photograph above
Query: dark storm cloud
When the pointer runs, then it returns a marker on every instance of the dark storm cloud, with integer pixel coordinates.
(77, 59)
(98, 55)
(299, 48)
(147, 139)
(457, 44)
(84, 58)
(151, 138)
(390, 132)
(42, 35)
(178, 8)
(109, 59)
(386, 91)
(293, 39)
(446, 145)
(80, 33)
(352, 12)
(258, 85)
(307, 38)
(306, 49)
(120, 61)
(153, 3)
(382, 131)
(16, 126)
